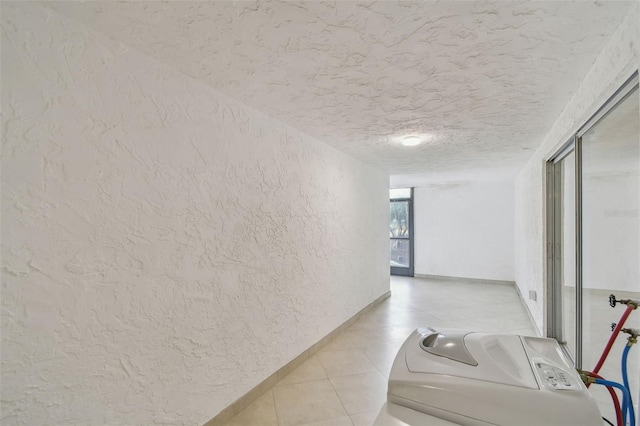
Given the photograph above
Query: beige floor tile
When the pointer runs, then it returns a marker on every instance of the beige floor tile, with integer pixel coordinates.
(307, 402)
(309, 371)
(495, 325)
(365, 338)
(339, 421)
(403, 319)
(343, 363)
(398, 304)
(364, 419)
(345, 383)
(362, 392)
(447, 314)
(509, 308)
(382, 357)
(398, 332)
(363, 324)
(423, 318)
(261, 412)
(340, 342)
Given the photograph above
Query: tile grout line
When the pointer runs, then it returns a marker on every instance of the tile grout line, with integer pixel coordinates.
(375, 365)
(339, 399)
(275, 407)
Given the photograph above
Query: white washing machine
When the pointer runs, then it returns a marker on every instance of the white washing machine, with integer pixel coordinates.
(469, 378)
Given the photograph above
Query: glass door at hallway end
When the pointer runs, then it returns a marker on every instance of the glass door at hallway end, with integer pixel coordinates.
(401, 231)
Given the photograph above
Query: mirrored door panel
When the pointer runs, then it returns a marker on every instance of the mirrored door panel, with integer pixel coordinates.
(611, 234)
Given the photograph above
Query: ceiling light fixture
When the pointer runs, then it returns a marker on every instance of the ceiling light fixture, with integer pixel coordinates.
(411, 140)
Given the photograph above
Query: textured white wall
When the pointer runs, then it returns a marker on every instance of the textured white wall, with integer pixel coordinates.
(617, 61)
(465, 230)
(164, 248)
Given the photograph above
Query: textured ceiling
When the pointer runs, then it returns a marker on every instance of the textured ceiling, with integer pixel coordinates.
(487, 79)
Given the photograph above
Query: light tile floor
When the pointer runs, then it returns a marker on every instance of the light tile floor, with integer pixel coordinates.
(345, 383)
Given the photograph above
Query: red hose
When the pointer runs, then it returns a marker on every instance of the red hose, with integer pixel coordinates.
(607, 348)
(614, 397)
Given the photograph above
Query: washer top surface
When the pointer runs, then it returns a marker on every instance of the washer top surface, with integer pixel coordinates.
(497, 358)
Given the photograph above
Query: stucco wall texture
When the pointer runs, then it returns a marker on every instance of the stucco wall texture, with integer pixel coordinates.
(465, 229)
(614, 65)
(164, 248)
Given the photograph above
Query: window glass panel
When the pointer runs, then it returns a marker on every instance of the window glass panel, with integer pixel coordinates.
(399, 219)
(399, 250)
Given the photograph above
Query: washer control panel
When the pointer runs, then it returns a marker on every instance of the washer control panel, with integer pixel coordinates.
(554, 377)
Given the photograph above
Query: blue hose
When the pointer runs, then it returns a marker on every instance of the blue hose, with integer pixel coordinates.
(625, 381)
(626, 396)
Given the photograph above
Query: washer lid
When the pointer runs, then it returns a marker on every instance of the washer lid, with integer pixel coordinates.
(450, 345)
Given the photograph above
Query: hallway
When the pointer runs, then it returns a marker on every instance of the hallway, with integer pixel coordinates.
(195, 196)
(345, 383)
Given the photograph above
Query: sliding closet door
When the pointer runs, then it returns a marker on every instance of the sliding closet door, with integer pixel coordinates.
(610, 232)
(593, 237)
